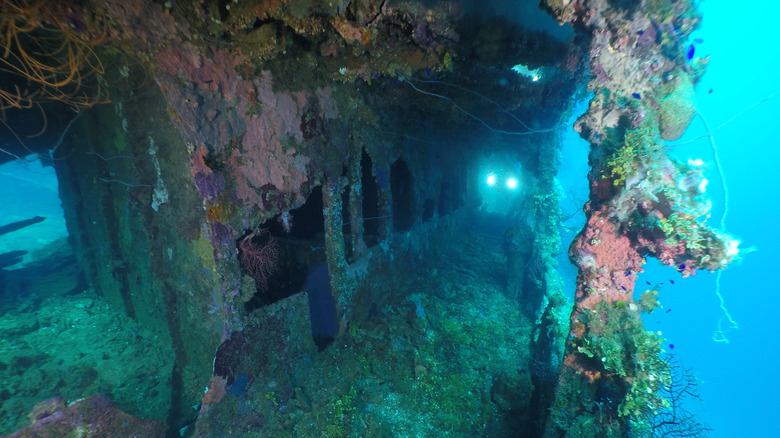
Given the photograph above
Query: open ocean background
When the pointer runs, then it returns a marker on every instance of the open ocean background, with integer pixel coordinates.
(740, 98)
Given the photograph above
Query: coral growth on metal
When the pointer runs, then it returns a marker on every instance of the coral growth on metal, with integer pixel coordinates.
(94, 416)
(642, 204)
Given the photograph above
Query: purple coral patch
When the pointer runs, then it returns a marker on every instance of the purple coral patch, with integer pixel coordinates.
(647, 38)
(220, 234)
(209, 185)
(600, 73)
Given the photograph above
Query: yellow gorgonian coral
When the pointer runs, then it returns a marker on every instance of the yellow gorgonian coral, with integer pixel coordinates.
(44, 59)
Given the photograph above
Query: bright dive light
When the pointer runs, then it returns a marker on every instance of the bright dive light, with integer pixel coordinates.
(491, 180)
(511, 183)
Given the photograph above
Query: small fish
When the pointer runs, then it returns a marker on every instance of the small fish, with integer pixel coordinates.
(671, 346)
(428, 72)
(628, 273)
(671, 281)
(668, 310)
(691, 51)
(636, 95)
(338, 10)
(698, 40)
(623, 287)
(647, 282)
(710, 92)
(681, 267)
(640, 32)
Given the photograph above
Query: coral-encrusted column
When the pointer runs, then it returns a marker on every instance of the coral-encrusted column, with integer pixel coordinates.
(608, 262)
(642, 203)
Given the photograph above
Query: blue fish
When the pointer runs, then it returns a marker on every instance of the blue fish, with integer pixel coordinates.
(636, 95)
(647, 282)
(698, 40)
(640, 32)
(681, 267)
(623, 287)
(691, 51)
(668, 310)
(671, 281)
(628, 273)
(671, 346)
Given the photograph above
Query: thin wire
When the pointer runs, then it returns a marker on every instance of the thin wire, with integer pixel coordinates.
(736, 116)
(720, 170)
(720, 335)
(119, 181)
(490, 128)
(472, 92)
(62, 136)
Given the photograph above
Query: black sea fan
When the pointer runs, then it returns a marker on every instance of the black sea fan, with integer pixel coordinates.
(676, 420)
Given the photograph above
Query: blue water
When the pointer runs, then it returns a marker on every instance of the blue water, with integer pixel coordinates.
(21, 181)
(739, 382)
